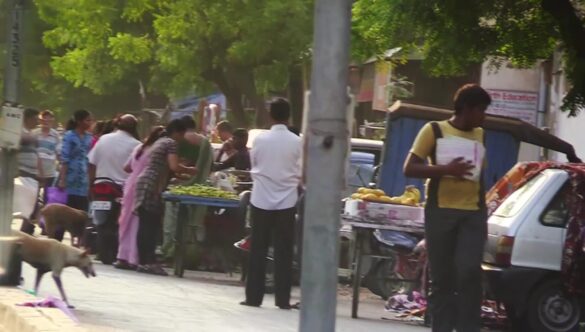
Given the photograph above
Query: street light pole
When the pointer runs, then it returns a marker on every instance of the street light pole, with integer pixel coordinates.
(326, 144)
(8, 156)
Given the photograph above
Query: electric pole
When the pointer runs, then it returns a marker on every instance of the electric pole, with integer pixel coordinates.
(9, 153)
(327, 139)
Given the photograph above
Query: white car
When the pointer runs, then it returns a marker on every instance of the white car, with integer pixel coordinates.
(523, 255)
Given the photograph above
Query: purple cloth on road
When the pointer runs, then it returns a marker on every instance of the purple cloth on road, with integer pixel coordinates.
(51, 302)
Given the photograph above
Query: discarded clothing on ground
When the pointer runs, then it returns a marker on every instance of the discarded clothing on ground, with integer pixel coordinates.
(412, 307)
(51, 302)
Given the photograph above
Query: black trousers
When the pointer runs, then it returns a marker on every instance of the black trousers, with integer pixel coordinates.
(278, 227)
(148, 229)
(455, 241)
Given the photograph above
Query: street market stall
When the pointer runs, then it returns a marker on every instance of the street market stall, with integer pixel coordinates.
(371, 210)
(188, 197)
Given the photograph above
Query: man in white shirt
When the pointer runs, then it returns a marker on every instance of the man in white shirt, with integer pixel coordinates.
(276, 172)
(109, 155)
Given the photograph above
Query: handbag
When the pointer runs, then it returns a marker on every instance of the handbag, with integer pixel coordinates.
(55, 194)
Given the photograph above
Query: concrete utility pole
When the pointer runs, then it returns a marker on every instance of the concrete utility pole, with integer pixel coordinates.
(8, 156)
(327, 146)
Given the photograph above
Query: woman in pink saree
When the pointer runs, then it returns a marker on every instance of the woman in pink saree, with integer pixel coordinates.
(128, 221)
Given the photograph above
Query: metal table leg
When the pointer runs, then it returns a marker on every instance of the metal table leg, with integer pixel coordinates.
(180, 241)
(357, 273)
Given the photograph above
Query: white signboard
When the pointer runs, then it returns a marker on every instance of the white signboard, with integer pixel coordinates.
(516, 104)
(380, 101)
(10, 127)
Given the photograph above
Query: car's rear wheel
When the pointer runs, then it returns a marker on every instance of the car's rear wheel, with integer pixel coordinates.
(552, 310)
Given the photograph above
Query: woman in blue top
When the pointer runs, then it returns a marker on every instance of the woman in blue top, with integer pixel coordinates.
(74, 176)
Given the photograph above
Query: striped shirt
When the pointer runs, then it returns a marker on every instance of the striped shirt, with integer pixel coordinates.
(48, 148)
(27, 155)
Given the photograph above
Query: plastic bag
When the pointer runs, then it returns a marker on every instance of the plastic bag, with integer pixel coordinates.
(223, 181)
(26, 191)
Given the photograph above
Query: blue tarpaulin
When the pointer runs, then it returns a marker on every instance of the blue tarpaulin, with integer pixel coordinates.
(502, 155)
(189, 105)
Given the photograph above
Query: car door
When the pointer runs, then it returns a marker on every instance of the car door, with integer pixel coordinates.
(540, 238)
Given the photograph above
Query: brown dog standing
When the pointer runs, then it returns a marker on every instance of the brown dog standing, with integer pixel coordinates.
(48, 255)
(72, 220)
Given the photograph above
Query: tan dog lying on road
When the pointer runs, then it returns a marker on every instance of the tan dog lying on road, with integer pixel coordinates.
(72, 220)
(50, 255)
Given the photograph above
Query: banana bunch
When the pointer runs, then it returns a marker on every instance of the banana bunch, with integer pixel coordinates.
(202, 191)
(411, 196)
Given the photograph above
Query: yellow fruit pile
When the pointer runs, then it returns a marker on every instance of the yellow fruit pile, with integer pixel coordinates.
(411, 196)
(202, 191)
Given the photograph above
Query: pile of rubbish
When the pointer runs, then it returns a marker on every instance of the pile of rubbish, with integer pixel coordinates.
(412, 307)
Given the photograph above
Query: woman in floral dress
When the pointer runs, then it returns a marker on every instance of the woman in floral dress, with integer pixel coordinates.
(148, 204)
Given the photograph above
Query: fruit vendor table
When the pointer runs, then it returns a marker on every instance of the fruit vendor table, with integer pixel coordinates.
(363, 228)
(182, 217)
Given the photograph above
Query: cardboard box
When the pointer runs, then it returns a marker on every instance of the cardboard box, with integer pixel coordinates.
(383, 212)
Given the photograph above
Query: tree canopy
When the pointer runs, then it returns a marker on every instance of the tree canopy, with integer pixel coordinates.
(454, 34)
(135, 53)
(40, 87)
(172, 48)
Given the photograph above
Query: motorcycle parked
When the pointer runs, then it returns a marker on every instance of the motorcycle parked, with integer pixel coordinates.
(399, 263)
(105, 209)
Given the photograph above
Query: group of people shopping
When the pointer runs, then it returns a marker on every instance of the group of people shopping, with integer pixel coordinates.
(180, 153)
(74, 160)
(176, 153)
(48, 158)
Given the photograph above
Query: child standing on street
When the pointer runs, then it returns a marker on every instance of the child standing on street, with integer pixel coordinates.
(455, 214)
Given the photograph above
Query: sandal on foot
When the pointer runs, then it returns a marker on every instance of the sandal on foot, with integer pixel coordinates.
(123, 265)
(152, 269)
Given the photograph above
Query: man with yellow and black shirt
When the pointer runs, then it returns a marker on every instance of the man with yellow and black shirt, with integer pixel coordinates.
(455, 214)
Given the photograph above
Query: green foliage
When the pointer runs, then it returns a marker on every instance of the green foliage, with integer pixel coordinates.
(176, 47)
(102, 45)
(203, 39)
(131, 49)
(454, 34)
(41, 88)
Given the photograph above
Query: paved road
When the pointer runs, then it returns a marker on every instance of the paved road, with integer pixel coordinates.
(128, 301)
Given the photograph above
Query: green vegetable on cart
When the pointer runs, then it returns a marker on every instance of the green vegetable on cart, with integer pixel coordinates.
(203, 191)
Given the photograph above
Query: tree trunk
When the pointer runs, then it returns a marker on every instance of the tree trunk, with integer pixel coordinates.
(260, 111)
(234, 100)
(156, 101)
(296, 94)
(246, 81)
(233, 95)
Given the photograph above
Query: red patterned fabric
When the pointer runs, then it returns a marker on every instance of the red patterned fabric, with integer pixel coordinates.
(513, 180)
(573, 263)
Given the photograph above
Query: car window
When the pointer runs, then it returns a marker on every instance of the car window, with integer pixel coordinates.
(359, 175)
(516, 201)
(556, 213)
(376, 152)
